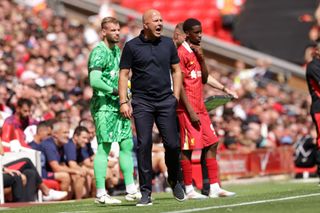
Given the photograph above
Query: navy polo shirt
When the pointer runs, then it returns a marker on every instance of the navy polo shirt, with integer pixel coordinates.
(74, 153)
(52, 152)
(150, 63)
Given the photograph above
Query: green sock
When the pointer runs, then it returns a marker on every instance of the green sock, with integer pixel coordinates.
(100, 164)
(126, 161)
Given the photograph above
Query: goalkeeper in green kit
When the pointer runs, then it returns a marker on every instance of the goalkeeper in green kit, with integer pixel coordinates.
(103, 66)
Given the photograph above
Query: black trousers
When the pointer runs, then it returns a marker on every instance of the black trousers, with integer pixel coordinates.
(17, 189)
(163, 113)
(33, 179)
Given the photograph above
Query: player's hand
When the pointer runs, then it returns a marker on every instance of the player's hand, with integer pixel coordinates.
(195, 120)
(198, 52)
(232, 93)
(126, 110)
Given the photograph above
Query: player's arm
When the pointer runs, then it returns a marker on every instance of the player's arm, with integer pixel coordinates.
(97, 83)
(216, 84)
(177, 80)
(194, 118)
(97, 61)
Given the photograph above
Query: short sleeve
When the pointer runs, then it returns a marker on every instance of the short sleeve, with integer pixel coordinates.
(174, 54)
(70, 151)
(84, 153)
(126, 57)
(50, 152)
(182, 62)
(97, 59)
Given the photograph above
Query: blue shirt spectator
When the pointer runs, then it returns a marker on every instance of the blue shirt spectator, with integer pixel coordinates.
(53, 152)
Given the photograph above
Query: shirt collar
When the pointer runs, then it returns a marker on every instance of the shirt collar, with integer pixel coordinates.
(187, 46)
(141, 36)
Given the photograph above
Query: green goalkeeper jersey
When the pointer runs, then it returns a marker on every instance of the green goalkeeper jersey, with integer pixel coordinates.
(105, 60)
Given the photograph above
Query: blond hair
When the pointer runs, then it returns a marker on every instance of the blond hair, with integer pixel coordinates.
(107, 20)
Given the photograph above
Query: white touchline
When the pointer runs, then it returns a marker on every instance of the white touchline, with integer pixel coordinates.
(244, 204)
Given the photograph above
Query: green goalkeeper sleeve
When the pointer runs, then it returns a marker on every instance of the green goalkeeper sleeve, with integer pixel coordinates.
(97, 83)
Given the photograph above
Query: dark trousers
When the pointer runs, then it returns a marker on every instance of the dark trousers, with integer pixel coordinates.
(316, 120)
(163, 113)
(27, 168)
(17, 189)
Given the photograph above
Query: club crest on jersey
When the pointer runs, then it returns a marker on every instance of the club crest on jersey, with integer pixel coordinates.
(194, 74)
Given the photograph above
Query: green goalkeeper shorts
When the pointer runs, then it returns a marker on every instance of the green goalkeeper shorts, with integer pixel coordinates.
(111, 127)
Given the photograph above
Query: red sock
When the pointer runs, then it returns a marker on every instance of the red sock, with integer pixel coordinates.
(187, 171)
(212, 167)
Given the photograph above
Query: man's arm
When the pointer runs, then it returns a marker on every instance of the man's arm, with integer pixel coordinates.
(75, 166)
(177, 80)
(194, 118)
(98, 84)
(216, 84)
(206, 78)
(56, 167)
(125, 109)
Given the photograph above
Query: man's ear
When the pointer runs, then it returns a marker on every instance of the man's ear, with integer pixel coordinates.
(145, 26)
(103, 32)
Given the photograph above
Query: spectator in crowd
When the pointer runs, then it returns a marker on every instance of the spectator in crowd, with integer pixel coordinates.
(14, 180)
(150, 57)
(55, 157)
(91, 145)
(44, 131)
(103, 66)
(196, 131)
(14, 125)
(78, 158)
(14, 174)
(5, 111)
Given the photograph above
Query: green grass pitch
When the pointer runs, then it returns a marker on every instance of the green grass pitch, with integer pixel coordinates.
(268, 197)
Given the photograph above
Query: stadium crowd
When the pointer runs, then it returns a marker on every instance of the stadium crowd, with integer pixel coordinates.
(43, 64)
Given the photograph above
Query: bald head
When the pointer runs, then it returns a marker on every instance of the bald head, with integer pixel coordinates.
(152, 24)
(147, 16)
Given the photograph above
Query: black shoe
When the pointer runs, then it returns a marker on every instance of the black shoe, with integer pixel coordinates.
(178, 192)
(144, 201)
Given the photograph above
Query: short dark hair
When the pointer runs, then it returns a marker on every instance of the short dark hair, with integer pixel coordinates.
(24, 101)
(189, 23)
(86, 122)
(43, 124)
(80, 129)
(107, 20)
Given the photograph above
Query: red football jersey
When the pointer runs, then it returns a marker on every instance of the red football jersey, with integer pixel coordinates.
(192, 81)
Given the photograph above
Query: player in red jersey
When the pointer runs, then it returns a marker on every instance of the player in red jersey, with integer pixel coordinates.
(196, 130)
